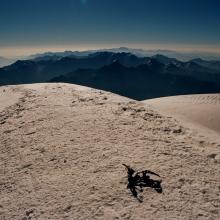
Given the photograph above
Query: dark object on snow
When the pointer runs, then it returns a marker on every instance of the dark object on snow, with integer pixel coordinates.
(138, 180)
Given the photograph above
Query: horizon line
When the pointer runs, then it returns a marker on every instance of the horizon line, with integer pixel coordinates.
(25, 51)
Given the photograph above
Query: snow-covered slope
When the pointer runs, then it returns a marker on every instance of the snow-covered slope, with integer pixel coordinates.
(61, 152)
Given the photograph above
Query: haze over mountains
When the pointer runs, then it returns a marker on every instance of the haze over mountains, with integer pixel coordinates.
(123, 73)
(5, 61)
(182, 56)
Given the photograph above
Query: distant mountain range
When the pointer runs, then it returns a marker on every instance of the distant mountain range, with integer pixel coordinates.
(123, 73)
(182, 56)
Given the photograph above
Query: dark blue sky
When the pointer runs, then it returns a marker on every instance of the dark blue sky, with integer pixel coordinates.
(45, 23)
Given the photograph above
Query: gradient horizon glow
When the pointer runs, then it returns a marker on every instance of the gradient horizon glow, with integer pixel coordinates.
(30, 26)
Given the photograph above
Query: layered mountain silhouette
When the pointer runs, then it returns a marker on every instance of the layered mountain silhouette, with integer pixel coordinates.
(43, 69)
(142, 82)
(122, 73)
(183, 56)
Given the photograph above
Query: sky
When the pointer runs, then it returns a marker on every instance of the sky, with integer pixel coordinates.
(28, 26)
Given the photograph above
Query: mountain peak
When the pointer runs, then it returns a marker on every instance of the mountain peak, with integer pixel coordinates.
(115, 65)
